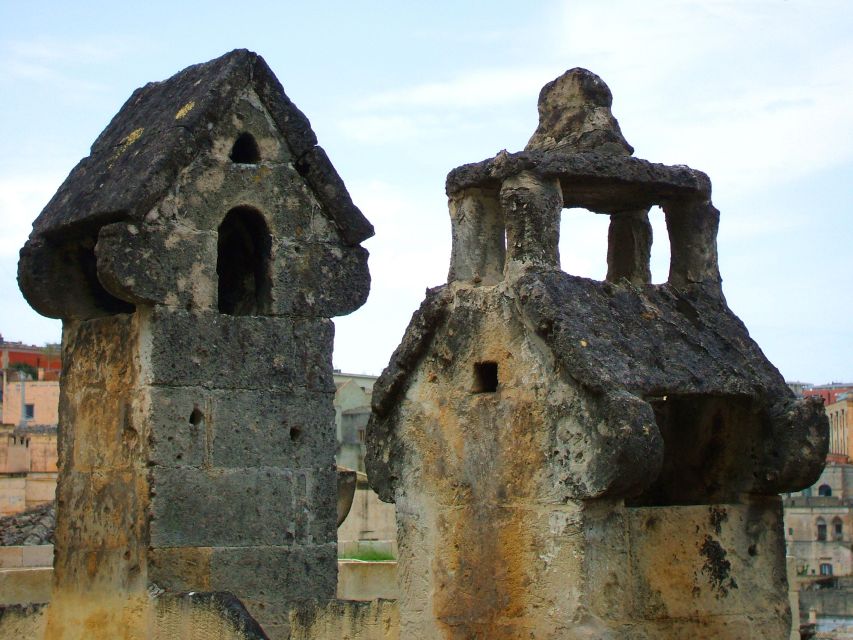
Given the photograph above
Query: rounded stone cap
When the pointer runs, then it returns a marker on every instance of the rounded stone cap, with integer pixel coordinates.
(574, 115)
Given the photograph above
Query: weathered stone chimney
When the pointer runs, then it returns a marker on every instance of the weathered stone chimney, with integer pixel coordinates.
(580, 459)
(195, 258)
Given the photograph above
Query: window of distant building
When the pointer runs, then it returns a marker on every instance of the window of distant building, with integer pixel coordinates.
(837, 528)
(825, 569)
(824, 490)
(821, 529)
(29, 411)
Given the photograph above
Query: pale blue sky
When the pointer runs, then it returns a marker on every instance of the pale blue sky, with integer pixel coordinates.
(757, 93)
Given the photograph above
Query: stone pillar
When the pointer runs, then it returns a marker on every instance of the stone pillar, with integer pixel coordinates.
(692, 226)
(103, 493)
(478, 237)
(629, 247)
(532, 207)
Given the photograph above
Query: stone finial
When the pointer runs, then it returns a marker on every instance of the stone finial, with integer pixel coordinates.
(574, 115)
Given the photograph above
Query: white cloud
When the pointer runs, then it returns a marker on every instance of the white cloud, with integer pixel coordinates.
(411, 251)
(471, 100)
(64, 65)
(396, 127)
(473, 89)
(748, 91)
(21, 200)
(412, 243)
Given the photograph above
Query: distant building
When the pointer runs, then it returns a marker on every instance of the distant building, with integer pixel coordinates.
(27, 467)
(352, 410)
(370, 529)
(46, 361)
(29, 402)
(29, 405)
(819, 523)
(840, 413)
(799, 387)
(829, 392)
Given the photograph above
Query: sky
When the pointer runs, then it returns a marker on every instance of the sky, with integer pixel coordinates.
(756, 93)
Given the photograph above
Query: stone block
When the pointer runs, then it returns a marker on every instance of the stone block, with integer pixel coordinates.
(105, 430)
(164, 264)
(178, 419)
(210, 189)
(97, 352)
(11, 557)
(335, 619)
(236, 507)
(319, 279)
(180, 568)
(23, 586)
(707, 561)
(202, 616)
(358, 580)
(275, 574)
(101, 532)
(257, 428)
(193, 426)
(219, 351)
(37, 555)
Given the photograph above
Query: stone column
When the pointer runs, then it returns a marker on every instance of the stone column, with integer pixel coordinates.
(478, 236)
(692, 226)
(532, 207)
(102, 491)
(629, 247)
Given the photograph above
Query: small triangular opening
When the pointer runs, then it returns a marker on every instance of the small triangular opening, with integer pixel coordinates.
(245, 150)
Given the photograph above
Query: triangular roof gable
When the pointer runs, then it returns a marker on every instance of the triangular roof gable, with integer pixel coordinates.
(351, 396)
(164, 125)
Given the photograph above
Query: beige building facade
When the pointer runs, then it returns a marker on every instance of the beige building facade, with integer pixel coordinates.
(40, 403)
(28, 443)
(27, 468)
(819, 523)
(840, 414)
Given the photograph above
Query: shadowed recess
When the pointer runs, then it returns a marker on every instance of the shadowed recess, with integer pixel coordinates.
(243, 263)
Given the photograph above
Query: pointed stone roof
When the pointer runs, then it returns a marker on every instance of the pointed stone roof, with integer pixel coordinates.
(160, 130)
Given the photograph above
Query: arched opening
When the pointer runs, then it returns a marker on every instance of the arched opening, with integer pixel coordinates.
(821, 529)
(837, 528)
(824, 490)
(245, 150)
(243, 263)
(196, 417)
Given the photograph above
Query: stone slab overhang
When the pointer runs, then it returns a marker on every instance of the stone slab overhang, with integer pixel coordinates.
(600, 182)
(622, 344)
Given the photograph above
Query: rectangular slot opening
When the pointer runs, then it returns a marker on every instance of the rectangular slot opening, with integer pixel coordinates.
(485, 377)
